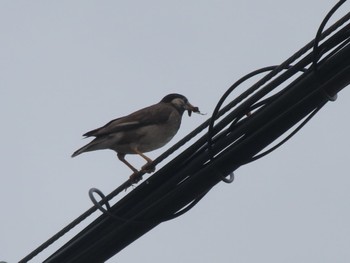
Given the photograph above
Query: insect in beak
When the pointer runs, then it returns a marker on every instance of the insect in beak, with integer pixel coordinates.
(191, 108)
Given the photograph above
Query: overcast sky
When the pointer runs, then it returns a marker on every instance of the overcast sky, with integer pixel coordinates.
(70, 66)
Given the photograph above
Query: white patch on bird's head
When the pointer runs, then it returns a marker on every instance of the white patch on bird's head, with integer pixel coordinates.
(179, 102)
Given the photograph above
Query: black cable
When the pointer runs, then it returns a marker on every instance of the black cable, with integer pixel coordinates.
(215, 114)
(107, 212)
(75, 222)
(274, 70)
(316, 50)
(184, 210)
(312, 114)
(228, 180)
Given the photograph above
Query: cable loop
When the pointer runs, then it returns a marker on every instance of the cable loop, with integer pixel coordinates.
(230, 179)
(107, 211)
(316, 50)
(97, 204)
(215, 114)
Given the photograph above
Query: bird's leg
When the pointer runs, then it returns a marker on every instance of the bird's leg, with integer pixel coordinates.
(148, 167)
(135, 177)
(121, 157)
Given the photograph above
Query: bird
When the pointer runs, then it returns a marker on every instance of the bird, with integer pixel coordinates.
(142, 131)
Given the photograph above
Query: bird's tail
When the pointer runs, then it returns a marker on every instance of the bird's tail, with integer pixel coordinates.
(87, 148)
(81, 150)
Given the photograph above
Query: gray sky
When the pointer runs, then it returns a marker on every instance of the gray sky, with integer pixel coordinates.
(70, 66)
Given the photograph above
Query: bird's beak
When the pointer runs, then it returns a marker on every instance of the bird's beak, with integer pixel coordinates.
(190, 108)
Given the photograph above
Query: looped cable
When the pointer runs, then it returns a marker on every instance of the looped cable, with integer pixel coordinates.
(230, 179)
(215, 114)
(166, 218)
(97, 204)
(317, 53)
(186, 209)
(231, 176)
(316, 49)
(328, 96)
(216, 111)
(107, 211)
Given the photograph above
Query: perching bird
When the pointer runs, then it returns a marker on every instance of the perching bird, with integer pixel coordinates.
(142, 131)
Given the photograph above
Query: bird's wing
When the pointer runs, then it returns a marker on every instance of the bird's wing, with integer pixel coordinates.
(155, 114)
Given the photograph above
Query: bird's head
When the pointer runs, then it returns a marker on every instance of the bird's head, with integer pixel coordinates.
(181, 103)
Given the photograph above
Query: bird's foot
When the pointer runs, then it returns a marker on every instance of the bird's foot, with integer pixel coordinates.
(135, 177)
(148, 168)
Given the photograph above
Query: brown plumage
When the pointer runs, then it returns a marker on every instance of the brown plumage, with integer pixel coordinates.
(142, 131)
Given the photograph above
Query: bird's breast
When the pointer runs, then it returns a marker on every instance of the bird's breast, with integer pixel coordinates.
(149, 137)
(156, 136)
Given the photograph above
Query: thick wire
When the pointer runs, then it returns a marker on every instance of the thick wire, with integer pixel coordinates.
(308, 118)
(106, 210)
(274, 70)
(215, 114)
(241, 114)
(316, 50)
(186, 209)
(75, 222)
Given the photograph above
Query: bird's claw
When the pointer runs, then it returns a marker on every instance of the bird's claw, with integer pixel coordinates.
(135, 177)
(148, 168)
